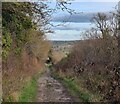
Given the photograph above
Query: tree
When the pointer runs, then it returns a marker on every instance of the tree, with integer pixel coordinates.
(101, 21)
(19, 17)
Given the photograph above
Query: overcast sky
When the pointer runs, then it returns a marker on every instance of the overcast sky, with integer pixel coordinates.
(77, 23)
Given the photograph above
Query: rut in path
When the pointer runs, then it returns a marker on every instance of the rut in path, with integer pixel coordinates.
(50, 90)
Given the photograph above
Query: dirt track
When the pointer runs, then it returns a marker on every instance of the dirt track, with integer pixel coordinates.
(50, 90)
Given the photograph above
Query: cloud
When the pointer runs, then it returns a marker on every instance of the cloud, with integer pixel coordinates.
(74, 26)
(64, 35)
(82, 17)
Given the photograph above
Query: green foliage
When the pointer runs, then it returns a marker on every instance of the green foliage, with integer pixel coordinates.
(18, 51)
(16, 20)
(6, 43)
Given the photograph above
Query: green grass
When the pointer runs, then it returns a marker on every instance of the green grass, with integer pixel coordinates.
(29, 91)
(73, 88)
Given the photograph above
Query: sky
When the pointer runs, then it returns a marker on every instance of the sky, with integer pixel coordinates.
(76, 24)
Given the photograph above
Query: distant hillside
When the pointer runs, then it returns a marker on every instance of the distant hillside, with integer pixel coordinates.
(64, 42)
(64, 46)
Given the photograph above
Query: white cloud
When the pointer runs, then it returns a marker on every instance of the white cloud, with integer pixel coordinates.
(65, 35)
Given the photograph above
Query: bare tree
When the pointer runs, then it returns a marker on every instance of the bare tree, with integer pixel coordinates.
(102, 23)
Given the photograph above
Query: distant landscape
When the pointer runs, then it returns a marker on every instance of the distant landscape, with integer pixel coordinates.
(63, 45)
(60, 51)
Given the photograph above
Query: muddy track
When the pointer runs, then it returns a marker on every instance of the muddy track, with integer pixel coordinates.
(51, 90)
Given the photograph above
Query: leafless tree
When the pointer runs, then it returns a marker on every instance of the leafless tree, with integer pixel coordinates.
(102, 22)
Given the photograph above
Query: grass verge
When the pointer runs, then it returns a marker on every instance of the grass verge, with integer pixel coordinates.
(73, 88)
(29, 91)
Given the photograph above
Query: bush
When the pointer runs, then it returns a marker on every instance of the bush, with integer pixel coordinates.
(6, 43)
(95, 61)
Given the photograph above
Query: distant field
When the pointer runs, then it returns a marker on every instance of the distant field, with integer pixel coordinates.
(60, 49)
(64, 42)
(64, 46)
